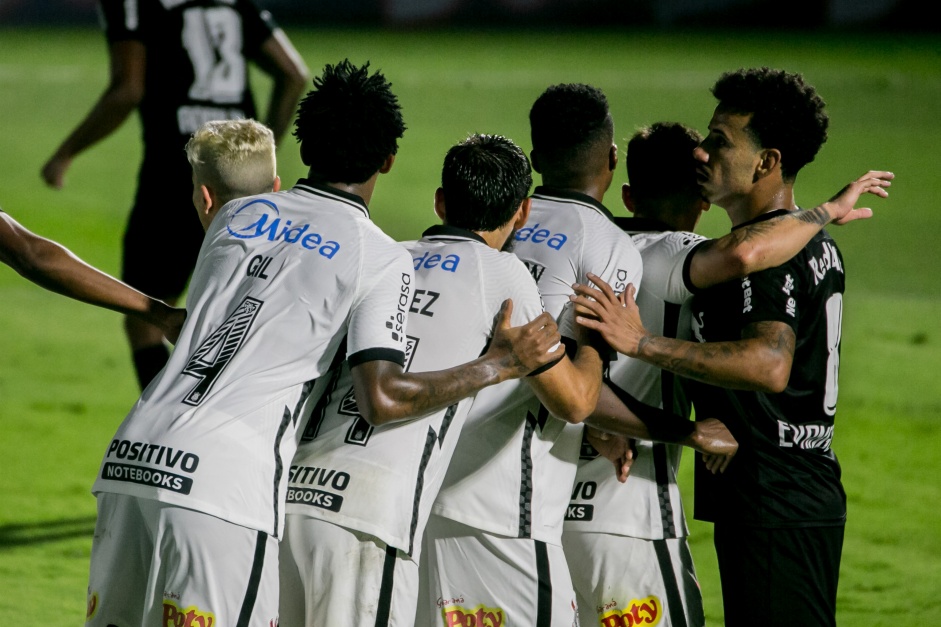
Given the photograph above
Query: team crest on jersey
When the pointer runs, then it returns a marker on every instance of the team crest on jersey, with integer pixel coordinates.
(637, 613)
(480, 616)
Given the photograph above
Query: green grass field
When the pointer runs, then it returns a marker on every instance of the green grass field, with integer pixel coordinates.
(65, 374)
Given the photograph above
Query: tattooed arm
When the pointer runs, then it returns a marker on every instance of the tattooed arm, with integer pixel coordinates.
(386, 393)
(770, 243)
(760, 361)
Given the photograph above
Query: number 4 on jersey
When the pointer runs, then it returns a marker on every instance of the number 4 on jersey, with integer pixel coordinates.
(213, 355)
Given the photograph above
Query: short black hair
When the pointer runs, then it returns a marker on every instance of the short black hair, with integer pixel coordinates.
(567, 122)
(661, 168)
(787, 113)
(348, 123)
(484, 179)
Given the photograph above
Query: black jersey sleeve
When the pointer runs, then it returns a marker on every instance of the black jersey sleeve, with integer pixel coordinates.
(257, 26)
(120, 20)
(772, 296)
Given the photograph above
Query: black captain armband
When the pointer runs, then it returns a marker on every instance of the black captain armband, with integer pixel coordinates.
(663, 426)
(570, 348)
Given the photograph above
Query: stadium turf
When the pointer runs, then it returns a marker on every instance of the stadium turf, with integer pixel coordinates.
(65, 374)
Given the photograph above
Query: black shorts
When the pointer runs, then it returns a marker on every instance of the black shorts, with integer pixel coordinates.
(779, 577)
(163, 234)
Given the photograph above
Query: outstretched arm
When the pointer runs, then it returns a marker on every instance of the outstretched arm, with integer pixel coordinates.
(760, 361)
(386, 393)
(55, 268)
(772, 242)
(621, 414)
(124, 92)
(289, 77)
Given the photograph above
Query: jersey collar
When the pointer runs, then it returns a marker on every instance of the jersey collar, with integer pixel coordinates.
(443, 231)
(765, 216)
(319, 189)
(642, 225)
(552, 193)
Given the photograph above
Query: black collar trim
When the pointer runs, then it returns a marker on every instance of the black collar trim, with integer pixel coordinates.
(765, 216)
(326, 191)
(443, 231)
(642, 225)
(552, 193)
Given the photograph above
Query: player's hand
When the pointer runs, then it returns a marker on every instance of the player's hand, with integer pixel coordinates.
(717, 444)
(53, 173)
(842, 206)
(618, 449)
(520, 350)
(615, 317)
(173, 323)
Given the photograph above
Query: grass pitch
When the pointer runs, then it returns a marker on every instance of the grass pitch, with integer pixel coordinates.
(65, 374)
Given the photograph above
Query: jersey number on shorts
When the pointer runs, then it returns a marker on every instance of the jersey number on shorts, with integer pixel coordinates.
(213, 39)
(834, 332)
(213, 355)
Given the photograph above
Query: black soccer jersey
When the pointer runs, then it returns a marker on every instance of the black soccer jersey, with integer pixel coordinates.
(196, 64)
(785, 473)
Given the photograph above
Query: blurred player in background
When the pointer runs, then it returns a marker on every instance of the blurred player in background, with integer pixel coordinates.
(772, 343)
(360, 493)
(180, 64)
(54, 267)
(192, 488)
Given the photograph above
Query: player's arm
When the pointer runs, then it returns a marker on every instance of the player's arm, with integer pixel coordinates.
(761, 360)
(569, 390)
(619, 413)
(386, 393)
(55, 268)
(124, 92)
(289, 75)
(770, 243)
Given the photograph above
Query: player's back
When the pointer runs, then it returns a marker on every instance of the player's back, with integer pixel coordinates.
(383, 480)
(649, 504)
(568, 235)
(281, 281)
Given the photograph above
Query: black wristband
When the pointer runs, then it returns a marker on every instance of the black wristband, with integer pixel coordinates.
(663, 426)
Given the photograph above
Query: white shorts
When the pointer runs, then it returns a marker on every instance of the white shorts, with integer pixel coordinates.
(331, 575)
(157, 564)
(650, 581)
(470, 578)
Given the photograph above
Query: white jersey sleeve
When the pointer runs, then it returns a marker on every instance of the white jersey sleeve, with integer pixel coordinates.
(666, 263)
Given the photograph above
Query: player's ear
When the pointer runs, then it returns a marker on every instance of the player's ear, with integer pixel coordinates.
(627, 198)
(206, 197)
(277, 184)
(522, 214)
(534, 160)
(387, 164)
(439, 205)
(769, 159)
(613, 158)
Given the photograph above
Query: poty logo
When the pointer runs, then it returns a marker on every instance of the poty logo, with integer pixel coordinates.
(643, 612)
(192, 616)
(261, 218)
(480, 616)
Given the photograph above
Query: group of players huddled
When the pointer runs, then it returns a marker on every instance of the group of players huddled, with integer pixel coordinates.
(355, 431)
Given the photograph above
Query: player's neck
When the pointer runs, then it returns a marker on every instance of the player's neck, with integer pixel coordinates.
(592, 187)
(364, 190)
(761, 202)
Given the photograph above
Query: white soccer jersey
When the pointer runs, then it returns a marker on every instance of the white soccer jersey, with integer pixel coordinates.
(648, 505)
(383, 480)
(568, 235)
(282, 279)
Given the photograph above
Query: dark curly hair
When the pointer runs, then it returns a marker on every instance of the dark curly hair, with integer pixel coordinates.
(348, 123)
(567, 123)
(661, 168)
(787, 113)
(484, 179)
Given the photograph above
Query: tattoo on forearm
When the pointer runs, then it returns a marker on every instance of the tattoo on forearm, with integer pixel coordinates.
(817, 215)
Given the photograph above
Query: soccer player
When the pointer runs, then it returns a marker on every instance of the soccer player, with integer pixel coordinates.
(179, 64)
(364, 491)
(230, 159)
(192, 488)
(54, 267)
(770, 357)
